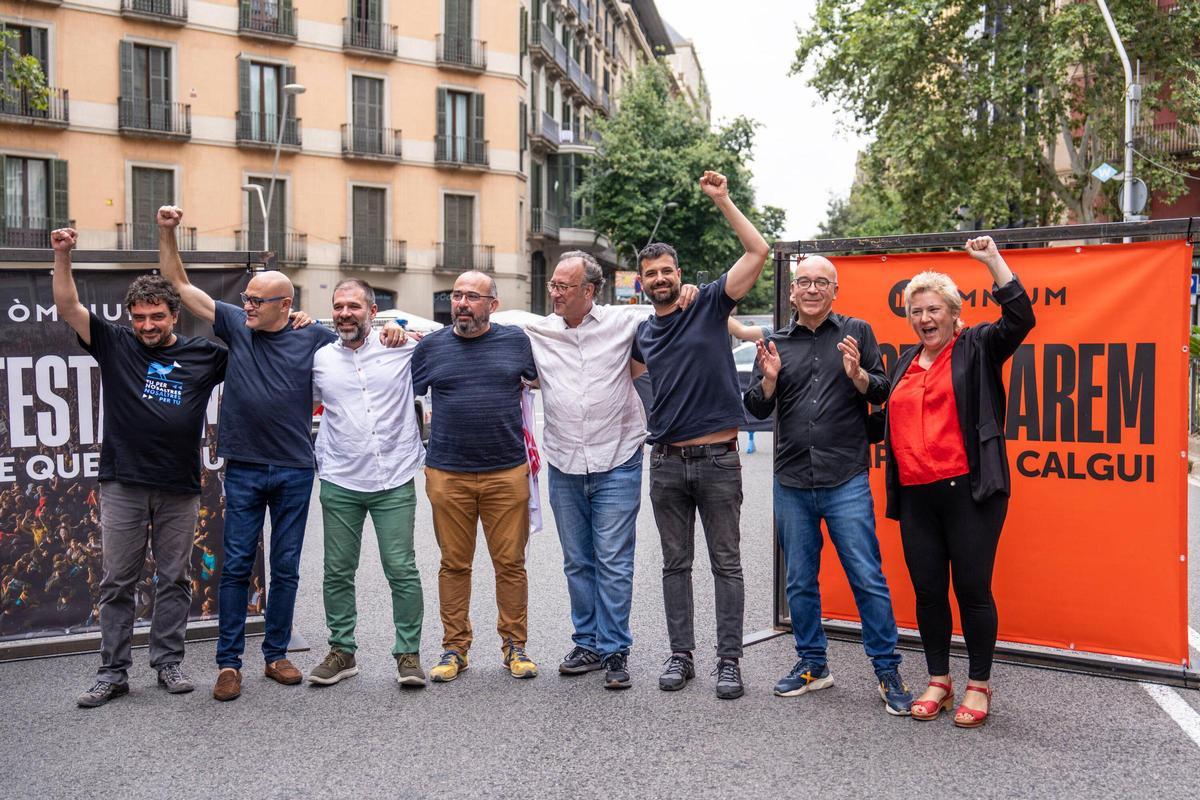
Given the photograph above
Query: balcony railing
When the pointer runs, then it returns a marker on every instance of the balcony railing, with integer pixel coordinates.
(589, 88)
(543, 223)
(267, 19)
(605, 101)
(154, 118)
(462, 256)
(561, 57)
(374, 252)
(256, 129)
(1176, 138)
(371, 143)
(369, 36)
(575, 73)
(461, 150)
(585, 13)
(30, 232)
(20, 105)
(172, 12)
(545, 128)
(461, 53)
(543, 44)
(290, 249)
(144, 236)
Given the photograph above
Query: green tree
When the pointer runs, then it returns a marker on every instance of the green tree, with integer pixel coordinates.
(997, 112)
(22, 75)
(653, 151)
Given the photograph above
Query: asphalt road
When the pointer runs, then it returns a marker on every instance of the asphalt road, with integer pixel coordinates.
(1054, 734)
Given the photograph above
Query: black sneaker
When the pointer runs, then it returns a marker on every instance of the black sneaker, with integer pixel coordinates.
(729, 679)
(679, 670)
(579, 661)
(172, 678)
(100, 693)
(616, 673)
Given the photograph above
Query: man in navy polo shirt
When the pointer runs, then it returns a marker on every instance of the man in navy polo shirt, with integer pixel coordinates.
(693, 423)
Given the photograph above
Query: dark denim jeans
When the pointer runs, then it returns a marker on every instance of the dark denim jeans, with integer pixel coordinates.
(250, 490)
(848, 511)
(596, 516)
(712, 485)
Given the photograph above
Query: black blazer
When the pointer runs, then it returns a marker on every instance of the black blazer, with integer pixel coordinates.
(975, 371)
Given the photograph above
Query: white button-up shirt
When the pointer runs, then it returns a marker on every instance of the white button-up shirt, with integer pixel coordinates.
(594, 418)
(368, 440)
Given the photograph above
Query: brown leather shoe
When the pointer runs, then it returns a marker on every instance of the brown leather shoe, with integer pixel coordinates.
(283, 671)
(229, 684)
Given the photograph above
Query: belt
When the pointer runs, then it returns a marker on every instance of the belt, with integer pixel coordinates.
(696, 450)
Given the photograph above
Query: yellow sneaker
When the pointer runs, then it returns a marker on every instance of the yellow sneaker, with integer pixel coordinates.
(519, 664)
(448, 667)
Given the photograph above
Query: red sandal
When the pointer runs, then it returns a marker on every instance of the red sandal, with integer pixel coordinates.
(977, 717)
(926, 710)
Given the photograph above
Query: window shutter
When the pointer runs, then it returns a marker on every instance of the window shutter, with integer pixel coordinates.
(59, 210)
(160, 79)
(126, 53)
(522, 131)
(243, 86)
(3, 197)
(39, 40)
(443, 125)
(524, 44)
(477, 117)
(289, 76)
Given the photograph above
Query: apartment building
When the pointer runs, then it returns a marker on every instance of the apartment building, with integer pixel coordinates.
(409, 141)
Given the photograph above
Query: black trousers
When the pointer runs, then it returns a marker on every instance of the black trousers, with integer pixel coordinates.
(946, 533)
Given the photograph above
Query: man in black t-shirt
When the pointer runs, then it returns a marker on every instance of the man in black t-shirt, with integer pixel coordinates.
(156, 389)
(693, 423)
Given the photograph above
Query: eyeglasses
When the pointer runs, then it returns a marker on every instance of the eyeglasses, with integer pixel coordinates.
(470, 297)
(554, 286)
(256, 302)
(820, 283)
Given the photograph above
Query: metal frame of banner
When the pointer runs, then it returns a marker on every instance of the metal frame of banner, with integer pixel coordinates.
(1008, 652)
(204, 630)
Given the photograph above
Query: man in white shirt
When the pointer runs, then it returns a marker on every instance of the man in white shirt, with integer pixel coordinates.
(368, 450)
(595, 425)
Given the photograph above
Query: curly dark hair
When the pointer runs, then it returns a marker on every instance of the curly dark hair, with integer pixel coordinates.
(654, 250)
(152, 289)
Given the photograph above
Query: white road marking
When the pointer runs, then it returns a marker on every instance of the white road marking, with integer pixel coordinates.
(1184, 715)
(1194, 638)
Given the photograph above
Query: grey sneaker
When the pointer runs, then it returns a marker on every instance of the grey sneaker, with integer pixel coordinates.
(408, 670)
(100, 693)
(679, 670)
(729, 679)
(172, 678)
(579, 661)
(337, 666)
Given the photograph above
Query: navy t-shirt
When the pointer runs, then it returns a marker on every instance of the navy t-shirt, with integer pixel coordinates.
(266, 408)
(476, 387)
(695, 382)
(154, 404)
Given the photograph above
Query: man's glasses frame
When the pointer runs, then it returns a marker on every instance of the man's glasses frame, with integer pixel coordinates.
(256, 302)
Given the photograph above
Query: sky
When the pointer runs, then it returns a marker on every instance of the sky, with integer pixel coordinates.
(802, 155)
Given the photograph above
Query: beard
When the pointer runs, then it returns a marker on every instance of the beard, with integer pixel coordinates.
(664, 295)
(357, 335)
(468, 327)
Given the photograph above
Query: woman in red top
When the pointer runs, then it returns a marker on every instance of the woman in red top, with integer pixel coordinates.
(947, 472)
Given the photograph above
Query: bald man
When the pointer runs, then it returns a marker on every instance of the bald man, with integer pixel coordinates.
(265, 439)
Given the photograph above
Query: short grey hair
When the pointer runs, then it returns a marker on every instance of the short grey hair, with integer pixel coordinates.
(593, 273)
(367, 291)
(940, 283)
(493, 289)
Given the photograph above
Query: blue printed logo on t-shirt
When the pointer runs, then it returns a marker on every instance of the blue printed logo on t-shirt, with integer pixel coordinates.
(161, 388)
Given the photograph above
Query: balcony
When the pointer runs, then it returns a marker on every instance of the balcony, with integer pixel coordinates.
(369, 37)
(21, 107)
(544, 132)
(461, 151)
(144, 236)
(605, 102)
(543, 223)
(256, 129)
(575, 74)
(589, 88)
(168, 12)
(290, 249)
(544, 48)
(456, 257)
(374, 253)
(585, 13)
(153, 118)
(30, 232)
(373, 144)
(459, 53)
(1176, 138)
(267, 19)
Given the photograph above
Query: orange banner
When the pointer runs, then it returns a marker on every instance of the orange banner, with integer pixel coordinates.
(1093, 556)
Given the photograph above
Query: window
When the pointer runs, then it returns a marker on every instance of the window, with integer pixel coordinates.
(260, 102)
(145, 100)
(368, 217)
(385, 300)
(522, 133)
(34, 200)
(537, 283)
(460, 127)
(458, 31)
(277, 229)
(367, 114)
(151, 188)
(459, 222)
(26, 41)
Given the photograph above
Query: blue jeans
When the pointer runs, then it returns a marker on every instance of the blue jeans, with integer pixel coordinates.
(250, 489)
(849, 514)
(596, 516)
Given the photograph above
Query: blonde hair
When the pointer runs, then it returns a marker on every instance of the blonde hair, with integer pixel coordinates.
(937, 282)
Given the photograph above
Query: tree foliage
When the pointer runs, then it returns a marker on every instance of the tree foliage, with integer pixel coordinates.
(998, 112)
(653, 151)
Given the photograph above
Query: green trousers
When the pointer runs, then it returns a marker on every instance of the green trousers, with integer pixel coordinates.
(392, 512)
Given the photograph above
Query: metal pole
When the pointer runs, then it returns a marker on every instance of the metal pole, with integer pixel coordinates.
(288, 90)
(1130, 91)
(255, 188)
(661, 211)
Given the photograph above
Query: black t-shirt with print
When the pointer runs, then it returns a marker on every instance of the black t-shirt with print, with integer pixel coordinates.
(154, 405)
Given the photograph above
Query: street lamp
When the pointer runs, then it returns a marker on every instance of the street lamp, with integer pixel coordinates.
(254, 188)
(288, 90)
(669, 205)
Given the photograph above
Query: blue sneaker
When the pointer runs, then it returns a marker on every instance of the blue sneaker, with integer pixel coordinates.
(896, 696)
(806, 676)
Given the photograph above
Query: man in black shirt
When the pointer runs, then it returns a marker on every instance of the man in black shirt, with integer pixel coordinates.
(819, 374)
(156, 389)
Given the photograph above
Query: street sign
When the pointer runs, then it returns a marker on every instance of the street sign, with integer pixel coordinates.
(1195, 284)
(1140, 194)
(1104, 172)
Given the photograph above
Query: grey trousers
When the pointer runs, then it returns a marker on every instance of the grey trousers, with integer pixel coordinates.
(712, 485)
(130, 517)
